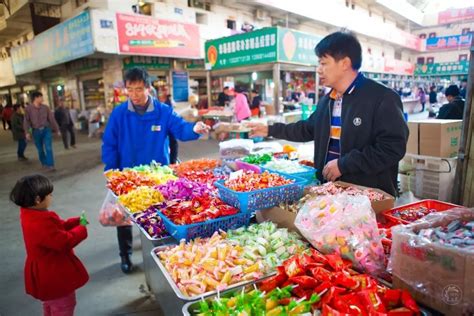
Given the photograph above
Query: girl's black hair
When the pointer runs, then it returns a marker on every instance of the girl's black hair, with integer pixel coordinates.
(28, 188)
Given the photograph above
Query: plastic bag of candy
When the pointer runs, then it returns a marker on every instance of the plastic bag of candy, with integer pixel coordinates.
(235, 148)
(110, 213)
(345, 225)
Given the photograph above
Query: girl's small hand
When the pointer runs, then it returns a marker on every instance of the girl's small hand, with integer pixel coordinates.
(83, 220)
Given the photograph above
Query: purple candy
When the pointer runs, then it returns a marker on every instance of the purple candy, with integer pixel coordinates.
(183, 189)
(151, 222)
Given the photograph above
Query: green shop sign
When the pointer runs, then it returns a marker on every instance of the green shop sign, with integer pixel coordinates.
(439, 69)
(147, 62)
(265, 45)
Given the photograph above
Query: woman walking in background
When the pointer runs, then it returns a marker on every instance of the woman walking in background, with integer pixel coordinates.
(18, 131)
(422, 97)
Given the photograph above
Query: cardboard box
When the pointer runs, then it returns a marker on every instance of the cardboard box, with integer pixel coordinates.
(440, 138)
(413, 139)
(437, 276)
(282, 218)
(377, 206)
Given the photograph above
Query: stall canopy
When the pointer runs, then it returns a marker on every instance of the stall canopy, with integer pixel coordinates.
(266, 45)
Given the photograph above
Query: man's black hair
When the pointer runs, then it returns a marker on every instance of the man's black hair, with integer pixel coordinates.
(35, 94)
(137, 74)
(339, 45)
(28, 188)
(452, 90)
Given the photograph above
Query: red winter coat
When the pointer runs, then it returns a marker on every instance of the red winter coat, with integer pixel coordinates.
(52, 270)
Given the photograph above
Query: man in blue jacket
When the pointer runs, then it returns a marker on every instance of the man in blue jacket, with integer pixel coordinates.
(137, 134)
(358, 128)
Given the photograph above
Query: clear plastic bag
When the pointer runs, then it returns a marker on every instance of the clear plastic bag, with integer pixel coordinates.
(235, 148)
(345, 225)
(110, 213)
(438, 273)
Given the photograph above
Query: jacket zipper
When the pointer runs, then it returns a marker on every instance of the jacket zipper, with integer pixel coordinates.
(329, 138)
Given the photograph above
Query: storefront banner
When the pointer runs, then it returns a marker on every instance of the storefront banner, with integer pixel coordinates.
(195, 64)
(449, 68)
(180, 86)
(104, 31)
(144, 35)
(398, 67)
(297, 47)
(147, 62)
(7, 77)
(64, 42)
(448, 42)
(251, 48)
(453, 15)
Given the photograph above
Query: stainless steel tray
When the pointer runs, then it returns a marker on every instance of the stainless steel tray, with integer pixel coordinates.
(175, 288)
(145, 233)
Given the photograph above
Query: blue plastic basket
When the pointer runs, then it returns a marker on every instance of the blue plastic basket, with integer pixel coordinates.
(309, 175)
(204, 229)
(251, 201)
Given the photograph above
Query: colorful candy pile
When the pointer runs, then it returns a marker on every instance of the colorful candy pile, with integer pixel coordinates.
(140, 199)
(153, 167)
(285, 166)
(222, 172)
(203, 265)
(183, 189)
(151, 222)
(412, 214)
(332, 188)
(195, 165)
(251, 181)
(199, 209)
(342, 290)
(122, 182)
(266, 241)
(457, 234)
(256, 302)
(344, 225)
(257, 159)
(208, 177)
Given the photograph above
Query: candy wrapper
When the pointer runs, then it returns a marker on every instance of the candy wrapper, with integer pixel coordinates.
(331, 188)
(151, 222)
(140, 199)
(251, 181)
(110, 213)
(195, 165)
(344, 225)
(183, 189)
(433, 258)
(285, 166)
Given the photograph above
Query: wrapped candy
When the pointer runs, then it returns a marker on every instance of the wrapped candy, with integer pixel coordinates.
(209, 264)
(265, 240)
(151, 222)
(198, 209)
(122, 182)
(257, 159)
(195, 165)
(251, 181)
(344, 225)
(183, 189)
(331, 188)
(140, 199)
(206, 177)
(285, 166)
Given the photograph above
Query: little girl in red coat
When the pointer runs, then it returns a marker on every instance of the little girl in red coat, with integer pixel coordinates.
(52, 270)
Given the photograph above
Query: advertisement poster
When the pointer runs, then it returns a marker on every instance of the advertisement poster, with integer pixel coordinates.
(180, 86)
(449, 42)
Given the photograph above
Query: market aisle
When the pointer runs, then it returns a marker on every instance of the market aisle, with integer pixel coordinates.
(109, 291)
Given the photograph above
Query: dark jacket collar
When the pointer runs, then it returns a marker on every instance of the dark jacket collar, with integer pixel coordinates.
(353, 86)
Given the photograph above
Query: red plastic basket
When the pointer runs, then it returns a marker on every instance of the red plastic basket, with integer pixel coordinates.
(438, 206)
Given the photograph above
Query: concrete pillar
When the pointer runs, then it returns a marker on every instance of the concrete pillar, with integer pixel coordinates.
(208, 83)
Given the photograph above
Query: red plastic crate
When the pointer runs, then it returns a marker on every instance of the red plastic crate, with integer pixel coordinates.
(429, 204)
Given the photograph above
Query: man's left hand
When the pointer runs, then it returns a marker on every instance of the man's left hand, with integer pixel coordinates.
(201, 128)
(331, 171)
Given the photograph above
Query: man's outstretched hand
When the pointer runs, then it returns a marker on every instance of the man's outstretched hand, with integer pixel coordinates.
(201, 128)
(257, 129)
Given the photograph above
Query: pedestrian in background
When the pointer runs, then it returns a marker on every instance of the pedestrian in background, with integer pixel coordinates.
(7, 116)
(454, 110)
(463, 89)
(242, 109)
(255, 103)
(422, 97)
(40, 124)
(52, 271)
(1, 116)
(66, 125)
(18, 131)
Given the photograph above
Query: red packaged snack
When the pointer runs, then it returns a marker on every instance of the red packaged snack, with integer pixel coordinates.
(304, 281)
(409, 302)
(365, 282)
(300, 292)
(333, 292)
(318, 257)
(401, 311)
(322, 287)
(392, 297)
(293, 267)
(329, 311)
(342, 279)
(372, 300)
(356, 307)
(321, 274)
(335, 261)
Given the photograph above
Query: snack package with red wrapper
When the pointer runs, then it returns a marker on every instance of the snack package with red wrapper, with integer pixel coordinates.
(344, 225)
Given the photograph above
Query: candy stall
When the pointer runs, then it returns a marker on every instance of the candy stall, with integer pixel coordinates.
(255, 233)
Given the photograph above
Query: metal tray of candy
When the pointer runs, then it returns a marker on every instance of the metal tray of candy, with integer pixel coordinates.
(178, 292)
(192, 308)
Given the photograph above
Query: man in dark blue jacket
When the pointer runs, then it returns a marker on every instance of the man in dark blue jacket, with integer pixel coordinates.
(358, 128)
(137, 133)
